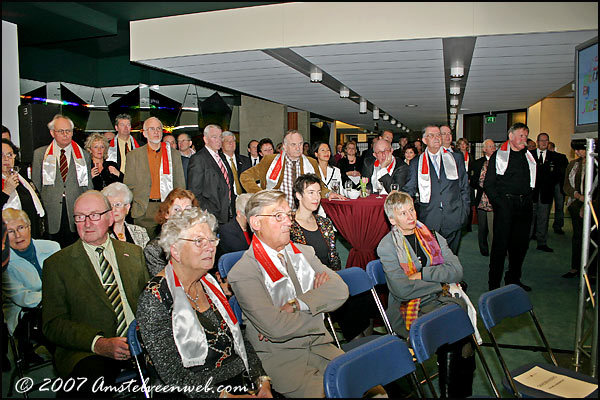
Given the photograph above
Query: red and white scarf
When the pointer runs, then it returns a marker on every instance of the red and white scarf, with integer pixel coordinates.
(379, 172)
(424, 177)
(51, 160)
(15, 202)
(188, 333)
(165, 171)
(502, 158)
(276, 166)
(112, 148)
(276, 279)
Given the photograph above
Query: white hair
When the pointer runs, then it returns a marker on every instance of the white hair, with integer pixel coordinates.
(118, 189)
(182, 221)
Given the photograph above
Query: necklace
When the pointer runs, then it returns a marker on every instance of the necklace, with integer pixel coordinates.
(121, 236)
(195, 301)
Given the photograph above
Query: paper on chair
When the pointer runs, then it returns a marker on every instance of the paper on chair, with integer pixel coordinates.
(555, 384)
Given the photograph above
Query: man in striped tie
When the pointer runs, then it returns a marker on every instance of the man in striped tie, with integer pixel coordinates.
(89, 298)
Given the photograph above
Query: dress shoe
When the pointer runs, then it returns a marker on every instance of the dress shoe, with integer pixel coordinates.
(570, 274)
(545, 248)
(524, 286)
(559, 231)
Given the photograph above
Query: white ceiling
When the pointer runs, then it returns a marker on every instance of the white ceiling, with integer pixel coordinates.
(507, 72)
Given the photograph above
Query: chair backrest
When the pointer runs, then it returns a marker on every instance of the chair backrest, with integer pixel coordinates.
(227, 261)
(356, 279)
(507, 301)
(135, 348)
(237, 310)
(443, 326)
(375, 272)
(377, 362)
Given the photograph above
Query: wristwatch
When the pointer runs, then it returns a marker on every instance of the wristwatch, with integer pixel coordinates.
(261, 379)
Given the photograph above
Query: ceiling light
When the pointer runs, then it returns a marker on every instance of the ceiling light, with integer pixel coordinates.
(375, 113)
(455, 89)
(453, 110)
(143, 85)
(316, 75)
(411, 105)
(454, 101)
(344, 92)
(393, 121)
(386, 117)
(405, 129)
(362, 109)
(398, 125)
(456, 73)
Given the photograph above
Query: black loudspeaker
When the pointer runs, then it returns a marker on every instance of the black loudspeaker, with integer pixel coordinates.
(33, 128)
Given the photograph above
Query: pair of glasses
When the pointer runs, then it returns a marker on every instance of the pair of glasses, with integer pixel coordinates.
(20, 229)
(154, 129)
(93, 217)
(434, 135)
(64, 131)
(177, 209)
(118, 205)
(8, 155)
(279, 217)
(202, 243)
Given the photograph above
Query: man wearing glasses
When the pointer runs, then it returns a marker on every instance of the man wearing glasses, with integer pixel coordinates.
(89, 298)
(384, 169)
(151, 172)
(184, 143)
(61, 171)
(284, 289)
(446, 133)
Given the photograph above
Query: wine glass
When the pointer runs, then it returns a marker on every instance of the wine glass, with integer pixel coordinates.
(14, 170)
(378, 187)
(335, 186)
(348, 186)
(394, 187)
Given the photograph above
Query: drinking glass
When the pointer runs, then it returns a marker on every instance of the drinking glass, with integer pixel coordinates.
(14, 170)
(335, 186)
(348, 186)
(394, 187)
(378, 187)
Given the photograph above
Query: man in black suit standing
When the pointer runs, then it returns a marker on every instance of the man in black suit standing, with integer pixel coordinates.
(485, 213)
(210, 177)
(384, 169)
(237, 162)
(547, 177)
(559, 193)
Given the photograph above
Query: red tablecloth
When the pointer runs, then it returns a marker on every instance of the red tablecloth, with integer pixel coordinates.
(362, 222)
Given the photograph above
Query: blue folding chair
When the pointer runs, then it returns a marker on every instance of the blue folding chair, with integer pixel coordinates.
(227, 261)
(237, 310)
(445, 325)
(511, 301)
(378, 362)
(135, 348)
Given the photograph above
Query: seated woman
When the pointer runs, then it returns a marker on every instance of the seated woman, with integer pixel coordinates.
(120, 197)
(177, 200)
(103, 172)
(20, 193)
(22, 282)
(236, 234)
(417, 263)
(186, 323)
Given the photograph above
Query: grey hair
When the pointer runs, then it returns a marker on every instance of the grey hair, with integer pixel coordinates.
(394, 201)
(428, 126)
(182, 221)
(241, 201)
(98, 194)
(151, 118)
(12, 214)
(263, 199)
(96, 137)
(516, 126)
(224, 134)
(207, 128)
(59, 116)
(122, 116)
(290, 132)
(118, 189)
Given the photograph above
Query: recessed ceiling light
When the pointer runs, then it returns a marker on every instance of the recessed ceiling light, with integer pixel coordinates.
(464, 109)
(411, 105)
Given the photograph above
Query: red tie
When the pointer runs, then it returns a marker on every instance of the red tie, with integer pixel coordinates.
(126, 148)
(225, 174)
(64, 166)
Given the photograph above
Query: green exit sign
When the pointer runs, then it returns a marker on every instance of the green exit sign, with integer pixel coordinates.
(490, 119)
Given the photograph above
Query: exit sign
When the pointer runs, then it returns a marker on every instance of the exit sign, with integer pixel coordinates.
(490, 119)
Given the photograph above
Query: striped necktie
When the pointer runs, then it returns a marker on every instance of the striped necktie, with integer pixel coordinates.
(64, 166)
(112, 291)
(238, 187)
(225, 174)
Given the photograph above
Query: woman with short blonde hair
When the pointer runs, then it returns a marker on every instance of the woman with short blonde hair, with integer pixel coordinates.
(103, 172)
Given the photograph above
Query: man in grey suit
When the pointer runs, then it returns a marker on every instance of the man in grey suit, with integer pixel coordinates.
(151, 172)
(440, 179)
(284, 290)
(61, 171)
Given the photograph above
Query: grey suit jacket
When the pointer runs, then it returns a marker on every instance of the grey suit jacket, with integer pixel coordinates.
(292, 336)
(137, 178)
(51, 195)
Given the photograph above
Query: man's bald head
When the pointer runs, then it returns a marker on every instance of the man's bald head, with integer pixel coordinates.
(489, 147)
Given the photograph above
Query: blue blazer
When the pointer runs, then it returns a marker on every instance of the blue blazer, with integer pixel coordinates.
(21, 283)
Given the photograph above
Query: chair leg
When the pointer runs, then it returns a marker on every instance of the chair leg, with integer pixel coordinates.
(333, 331)
(18, 371)
(428, 380)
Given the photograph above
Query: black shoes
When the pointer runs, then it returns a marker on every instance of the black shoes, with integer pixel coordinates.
(524, 286)
(570, 274)
(559, 231)
(545, 248)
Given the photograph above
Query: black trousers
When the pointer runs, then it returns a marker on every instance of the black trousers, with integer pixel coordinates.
(512, 222)
(64, 236)
(99, 372)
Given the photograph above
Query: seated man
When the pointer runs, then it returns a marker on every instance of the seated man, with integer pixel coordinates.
(384, 169)
(284, 290)
(417, 264)
(89, 296)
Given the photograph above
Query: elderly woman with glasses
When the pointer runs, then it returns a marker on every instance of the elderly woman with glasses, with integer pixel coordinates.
(120, 197)
(20, 193)
(187, 325)
(22, 281)
(104, 172)
(176, 201)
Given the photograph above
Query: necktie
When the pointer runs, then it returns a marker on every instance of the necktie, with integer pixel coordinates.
(294, 172)
(64, 166)
(112, 291)
(292, 274)
(254, 162)
(435, 164)
(225, 174)
(541, 157)
(236, 179)
(126, 148)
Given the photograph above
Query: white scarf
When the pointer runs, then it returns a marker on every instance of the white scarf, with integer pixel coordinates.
(424, 177)
(112, 148)
(379, 172)
(50, 161)
(188, 333)
(456, 291)
(502, 158)
(15, 202)
(165, 171)
(276, 167)
(275, 277)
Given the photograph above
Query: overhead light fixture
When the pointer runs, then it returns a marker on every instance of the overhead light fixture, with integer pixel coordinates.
(375, 113)
(386, 117)
(398, 125)
(143, 85)
(457, 73)
(405, 129)
(362, 109)
(316, 75)
(393, 121)
(455, 89)
(411, 105)
(453, 110)
(344, 92)
(454, 101)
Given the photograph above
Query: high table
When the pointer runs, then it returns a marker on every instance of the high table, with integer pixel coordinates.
(362, 222)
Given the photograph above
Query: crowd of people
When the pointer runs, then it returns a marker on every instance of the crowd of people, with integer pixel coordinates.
(116, 231)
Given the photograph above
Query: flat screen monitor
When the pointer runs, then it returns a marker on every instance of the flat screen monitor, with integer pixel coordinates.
(586, 86)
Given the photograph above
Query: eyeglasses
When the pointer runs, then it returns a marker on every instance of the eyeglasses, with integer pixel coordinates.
(63, 131)
(177, 209)
(118, 205)
(93, 217)
(279, 217)
(434, 135)
(20, 229)
(154, 129)
(8, 155)
(446, 133)
(381, 152)
(202, 243)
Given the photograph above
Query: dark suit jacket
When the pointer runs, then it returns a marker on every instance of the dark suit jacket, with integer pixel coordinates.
(75, 307)
(208, 184)
(547, 176)
(453, 195)
(399, 175)
(563, 162)
(232, 238)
